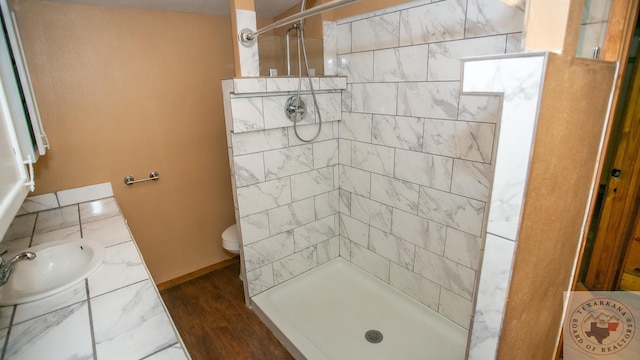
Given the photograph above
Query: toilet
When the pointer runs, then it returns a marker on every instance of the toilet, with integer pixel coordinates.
(231, 239)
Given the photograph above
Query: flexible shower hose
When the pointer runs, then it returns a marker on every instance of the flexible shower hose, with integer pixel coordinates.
(300, 38)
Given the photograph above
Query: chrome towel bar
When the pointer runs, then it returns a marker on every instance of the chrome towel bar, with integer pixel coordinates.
(129, 180)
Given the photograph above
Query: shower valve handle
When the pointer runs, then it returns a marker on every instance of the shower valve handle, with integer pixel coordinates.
(295, 109)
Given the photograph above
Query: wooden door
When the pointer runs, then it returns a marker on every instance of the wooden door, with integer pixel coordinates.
(620, 208)
(631, 271)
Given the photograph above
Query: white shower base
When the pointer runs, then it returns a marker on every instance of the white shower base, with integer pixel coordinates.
(324, 314)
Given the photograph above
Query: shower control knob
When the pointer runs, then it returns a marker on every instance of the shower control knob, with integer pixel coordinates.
(295, 109)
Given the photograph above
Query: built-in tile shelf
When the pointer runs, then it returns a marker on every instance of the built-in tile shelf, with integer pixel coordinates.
(256, 104)
(252, 85)
(115, 313)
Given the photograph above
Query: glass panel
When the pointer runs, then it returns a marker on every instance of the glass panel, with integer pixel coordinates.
(593, 29)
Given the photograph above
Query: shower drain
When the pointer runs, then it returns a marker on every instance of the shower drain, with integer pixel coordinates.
(373, 336)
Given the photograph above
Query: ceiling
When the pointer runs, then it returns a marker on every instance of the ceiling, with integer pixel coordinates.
(264, 8)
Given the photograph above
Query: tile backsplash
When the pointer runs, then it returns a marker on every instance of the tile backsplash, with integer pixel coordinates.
(60, 212)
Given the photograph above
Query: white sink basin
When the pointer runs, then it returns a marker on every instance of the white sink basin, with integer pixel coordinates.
(58, 266)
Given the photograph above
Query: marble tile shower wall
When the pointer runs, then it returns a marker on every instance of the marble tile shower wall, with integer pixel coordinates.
(285, 190)
(415, 157)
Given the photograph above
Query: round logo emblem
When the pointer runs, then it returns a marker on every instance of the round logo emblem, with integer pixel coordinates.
(602, 326)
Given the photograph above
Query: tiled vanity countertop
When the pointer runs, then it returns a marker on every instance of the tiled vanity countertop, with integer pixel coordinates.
(115, 313)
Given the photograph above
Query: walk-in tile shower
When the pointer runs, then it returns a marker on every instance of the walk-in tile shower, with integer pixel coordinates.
(398, 182)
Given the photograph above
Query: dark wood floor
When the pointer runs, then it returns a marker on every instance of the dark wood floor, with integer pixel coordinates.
(214, 322)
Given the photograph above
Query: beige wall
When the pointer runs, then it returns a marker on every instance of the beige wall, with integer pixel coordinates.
(123, 92)
(546, 23)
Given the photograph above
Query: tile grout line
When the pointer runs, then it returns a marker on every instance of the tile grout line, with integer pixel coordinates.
(80, 223)
(33, 230)
(6, 340)
(121, 287)
(91, 328)
(160, 350)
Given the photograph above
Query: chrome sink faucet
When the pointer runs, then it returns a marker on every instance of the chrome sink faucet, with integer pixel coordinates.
(5, 268)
